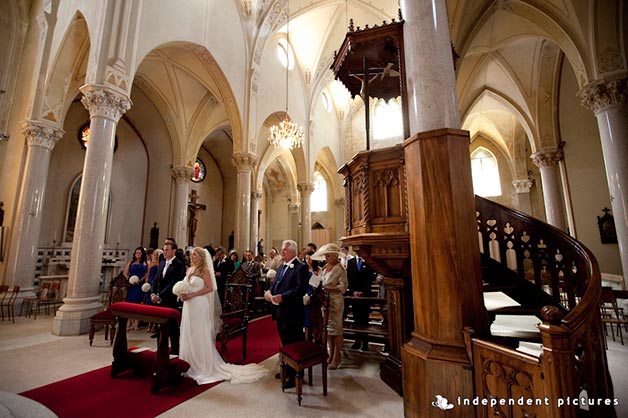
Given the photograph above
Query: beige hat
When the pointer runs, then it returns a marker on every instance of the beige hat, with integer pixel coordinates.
(330, 248)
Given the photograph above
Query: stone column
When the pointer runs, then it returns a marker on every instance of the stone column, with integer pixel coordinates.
(182, 176)
(106, 106)
(339, 204)
(294, 230)
(305, 189)
(255, 197)
(522, 187)
(547, 161)
(607, 99)
(244, 163)
(41, 137)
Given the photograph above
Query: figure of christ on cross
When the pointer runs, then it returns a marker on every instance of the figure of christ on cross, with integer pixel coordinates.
(193, 209)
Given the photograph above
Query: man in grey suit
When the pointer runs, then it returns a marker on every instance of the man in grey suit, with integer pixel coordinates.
(286, 294)
(170, 270)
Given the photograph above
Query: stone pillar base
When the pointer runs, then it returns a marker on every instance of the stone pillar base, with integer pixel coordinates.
(430, 370)
(73, 317)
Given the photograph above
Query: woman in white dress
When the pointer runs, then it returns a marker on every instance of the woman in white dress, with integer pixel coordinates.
(200, 322)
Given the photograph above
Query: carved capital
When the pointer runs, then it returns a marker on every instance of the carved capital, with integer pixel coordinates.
(523, 185)
(547, 158)
(105, 102)
(243, 161)
(305, 189)
(294, 207)
(182, 173)
(601, 95)
(256, 195)
(339, 202)
(41, 134)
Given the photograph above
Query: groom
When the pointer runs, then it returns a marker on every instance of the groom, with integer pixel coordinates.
(286, 293)
(170, 271)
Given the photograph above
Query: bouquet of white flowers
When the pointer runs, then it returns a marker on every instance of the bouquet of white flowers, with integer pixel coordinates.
(181, 288)
(134, 280)
(270, 274)
(146, 287)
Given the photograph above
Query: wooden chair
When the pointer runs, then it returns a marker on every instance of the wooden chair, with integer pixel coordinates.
(235, 315)
(115, 293)
(27, 303)
(612, 314)
(238, 276)
(305, 354)
(8, 301)
(52, 299)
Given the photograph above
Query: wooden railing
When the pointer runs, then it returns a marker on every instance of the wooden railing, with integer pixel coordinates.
(566, 281)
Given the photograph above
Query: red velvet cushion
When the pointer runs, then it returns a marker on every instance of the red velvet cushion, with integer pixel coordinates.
(139, 309)
(301, 350)
(230, 322)
(103, 316)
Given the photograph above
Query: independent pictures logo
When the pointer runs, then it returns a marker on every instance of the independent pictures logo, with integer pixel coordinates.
(442, 403)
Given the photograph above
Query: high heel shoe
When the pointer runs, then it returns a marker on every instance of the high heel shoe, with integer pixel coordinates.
(333, 366)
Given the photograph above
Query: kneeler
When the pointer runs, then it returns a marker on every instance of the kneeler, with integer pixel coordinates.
(165, 371)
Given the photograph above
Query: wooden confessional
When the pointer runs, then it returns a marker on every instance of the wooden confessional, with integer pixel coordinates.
(535, 270)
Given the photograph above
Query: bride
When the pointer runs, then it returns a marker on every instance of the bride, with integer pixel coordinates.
(200, 322)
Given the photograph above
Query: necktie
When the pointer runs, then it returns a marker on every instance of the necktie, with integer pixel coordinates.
(166, 268)
(358, 263)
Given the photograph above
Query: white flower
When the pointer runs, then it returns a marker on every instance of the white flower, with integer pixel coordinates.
(146, 287)
(271, 274)
(181, 288)
(134, 280)
(291, 266)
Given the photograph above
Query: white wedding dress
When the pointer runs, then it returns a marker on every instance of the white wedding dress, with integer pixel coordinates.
(198, 343)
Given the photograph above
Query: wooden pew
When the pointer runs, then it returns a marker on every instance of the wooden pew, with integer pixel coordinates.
(165, 371)
(375, 330)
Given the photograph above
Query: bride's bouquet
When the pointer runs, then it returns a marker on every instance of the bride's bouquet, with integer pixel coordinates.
(133, 280)
(146, 287)
(181, 288)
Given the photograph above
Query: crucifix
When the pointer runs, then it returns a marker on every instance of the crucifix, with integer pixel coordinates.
(193, 208)
(364, 93)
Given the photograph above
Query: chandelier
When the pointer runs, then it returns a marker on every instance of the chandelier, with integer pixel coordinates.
(287, 134)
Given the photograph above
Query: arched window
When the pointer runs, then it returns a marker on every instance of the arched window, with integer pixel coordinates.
(485, 173)
(387, 119)
(285, 54)
(318, 200)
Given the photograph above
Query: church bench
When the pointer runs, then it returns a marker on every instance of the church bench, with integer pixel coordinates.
(376, 330)
(165, 371)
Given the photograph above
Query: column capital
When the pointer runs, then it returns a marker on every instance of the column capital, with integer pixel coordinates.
(600, 95)
(104, 101)
(339, 202)
(41, 134)
(523, 185)
(244, 161)
(546, 158)
(305, 189)
(256, 194)
(182, 172)
(294, 207)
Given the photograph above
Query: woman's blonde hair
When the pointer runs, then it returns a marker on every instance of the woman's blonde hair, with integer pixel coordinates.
(202, 265)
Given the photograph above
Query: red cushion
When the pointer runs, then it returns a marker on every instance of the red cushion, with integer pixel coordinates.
(139, 309)
(103, 316)
(231, 322)
(302, 350)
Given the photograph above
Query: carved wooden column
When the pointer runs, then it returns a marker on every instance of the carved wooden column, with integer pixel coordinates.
(106, 106)
(244, 163)
(607, 99)
(547, 161)
(41, 138)
(522, 187)
(182, 176)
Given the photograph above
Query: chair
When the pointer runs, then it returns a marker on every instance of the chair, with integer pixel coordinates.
(52, 298)
(611, 313)
(8, 301)
(115, 293)
(235, 315)
(27, 303)
(4, 294)
(238, 276)
(305, 354)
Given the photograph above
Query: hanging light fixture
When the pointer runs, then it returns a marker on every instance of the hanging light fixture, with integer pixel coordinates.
(287, 134)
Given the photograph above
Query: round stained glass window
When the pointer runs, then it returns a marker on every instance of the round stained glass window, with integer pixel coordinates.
(199, 171)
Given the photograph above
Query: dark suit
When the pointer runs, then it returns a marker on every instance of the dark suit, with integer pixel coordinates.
(162, 286)
(360, 280)
(225, 268)
(291, 283)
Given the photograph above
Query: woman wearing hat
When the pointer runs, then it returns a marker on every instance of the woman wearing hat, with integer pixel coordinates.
(335, 281)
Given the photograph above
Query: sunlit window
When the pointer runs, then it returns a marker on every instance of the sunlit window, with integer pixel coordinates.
(485, 173)
(318, 200)
(285, 54)
(326, 102)
(387, 119)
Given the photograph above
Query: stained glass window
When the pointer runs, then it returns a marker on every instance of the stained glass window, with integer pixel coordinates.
(199, 171)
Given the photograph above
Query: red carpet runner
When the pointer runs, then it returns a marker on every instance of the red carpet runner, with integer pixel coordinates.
(95, 394)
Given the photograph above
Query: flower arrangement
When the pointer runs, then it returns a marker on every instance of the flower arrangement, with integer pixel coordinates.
(270, 274)
(180, 288)
(146, 287)
(134, 280)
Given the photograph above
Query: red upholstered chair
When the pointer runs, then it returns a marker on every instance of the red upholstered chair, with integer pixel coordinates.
(235, 315)
(116, 293)
(306, 354)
